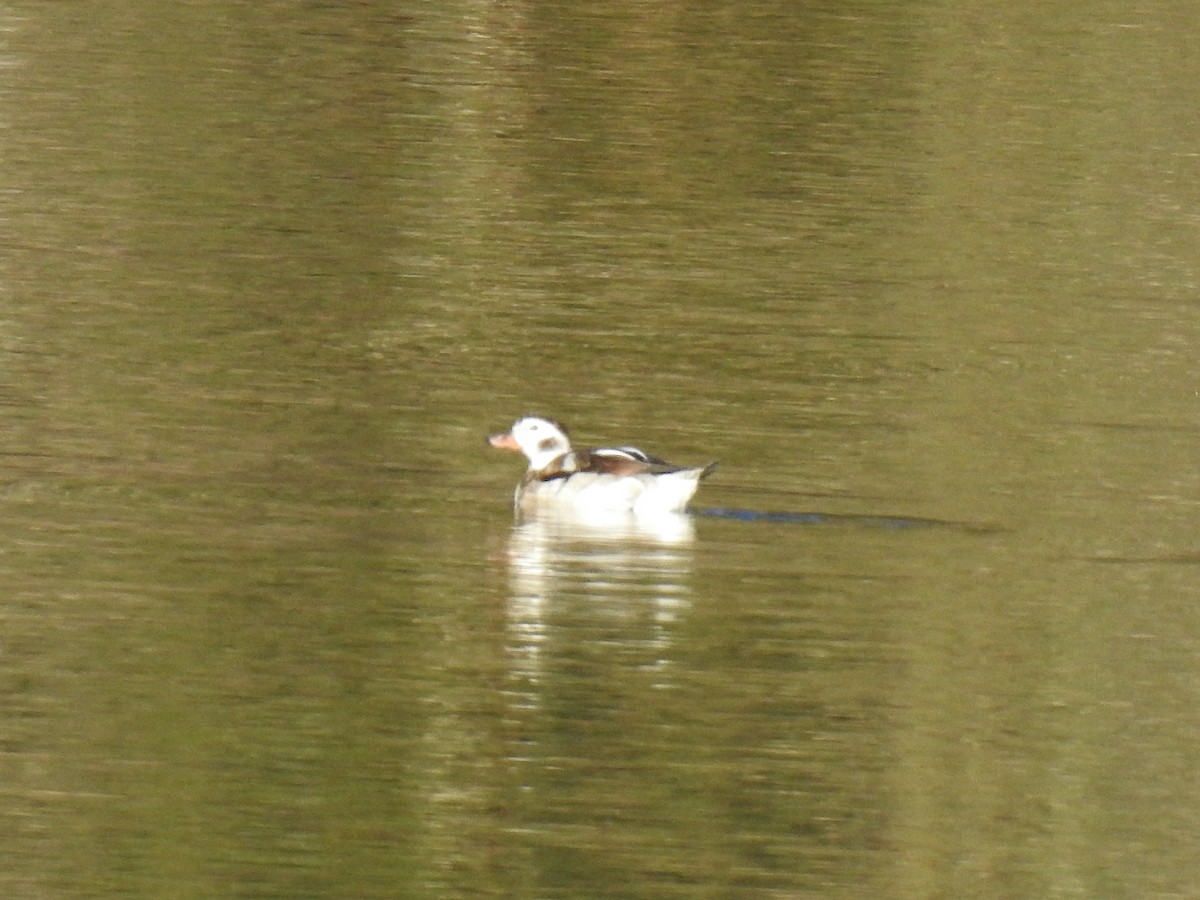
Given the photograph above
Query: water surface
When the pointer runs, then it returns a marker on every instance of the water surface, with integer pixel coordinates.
(923, 279)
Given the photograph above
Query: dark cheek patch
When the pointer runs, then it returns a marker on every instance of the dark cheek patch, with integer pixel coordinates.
(546, 444)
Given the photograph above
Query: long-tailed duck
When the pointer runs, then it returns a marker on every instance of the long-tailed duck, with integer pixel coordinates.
(614, 479)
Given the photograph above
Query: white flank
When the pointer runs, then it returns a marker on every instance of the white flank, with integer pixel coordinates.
(640, 494)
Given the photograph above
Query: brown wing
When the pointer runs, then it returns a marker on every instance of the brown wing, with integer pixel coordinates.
(619, 464)
(618, 461)
(621, 461)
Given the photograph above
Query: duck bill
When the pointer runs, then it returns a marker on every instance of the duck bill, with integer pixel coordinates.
(503, 442)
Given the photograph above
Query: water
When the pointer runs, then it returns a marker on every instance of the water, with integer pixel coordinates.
(923, 279)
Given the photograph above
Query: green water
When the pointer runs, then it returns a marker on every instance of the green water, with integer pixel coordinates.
(269, 274)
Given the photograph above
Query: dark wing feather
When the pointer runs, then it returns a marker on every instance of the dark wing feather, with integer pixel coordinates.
(624, 461)
(618, 461)
(635, 453)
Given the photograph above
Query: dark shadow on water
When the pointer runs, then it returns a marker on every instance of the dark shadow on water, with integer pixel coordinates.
(890, 523)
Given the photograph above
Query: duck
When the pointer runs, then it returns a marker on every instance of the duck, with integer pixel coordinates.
(607, 479)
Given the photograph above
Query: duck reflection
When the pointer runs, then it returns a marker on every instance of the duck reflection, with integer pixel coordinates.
(617, 583)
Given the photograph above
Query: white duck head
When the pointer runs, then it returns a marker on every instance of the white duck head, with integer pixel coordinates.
(541, 440)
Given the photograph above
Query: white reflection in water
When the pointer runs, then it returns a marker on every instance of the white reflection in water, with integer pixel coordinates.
(621, 578)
